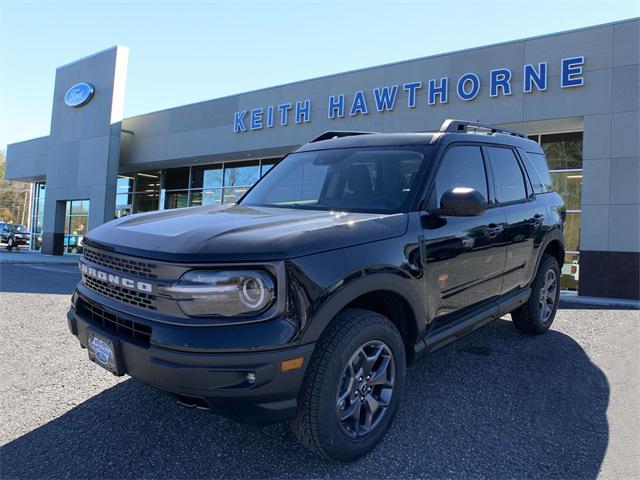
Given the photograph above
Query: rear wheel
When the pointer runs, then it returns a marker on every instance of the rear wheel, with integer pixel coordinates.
(537, 315)
(10, 244)
(353, 386)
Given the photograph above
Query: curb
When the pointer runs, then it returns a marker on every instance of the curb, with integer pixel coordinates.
(36, 259)
(35, 262)
(571, 300)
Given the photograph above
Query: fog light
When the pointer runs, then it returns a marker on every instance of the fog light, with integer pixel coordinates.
(251, 377)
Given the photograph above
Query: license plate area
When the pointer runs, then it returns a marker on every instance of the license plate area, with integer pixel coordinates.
(105, 351)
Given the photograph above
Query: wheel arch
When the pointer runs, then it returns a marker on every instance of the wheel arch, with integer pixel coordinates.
(555, 248)
(553, 245)
(388, 294)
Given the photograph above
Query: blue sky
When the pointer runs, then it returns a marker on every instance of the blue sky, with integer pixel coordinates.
(184, 52)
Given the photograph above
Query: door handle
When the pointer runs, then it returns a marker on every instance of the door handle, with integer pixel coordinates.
(493, 230)
(537, 219)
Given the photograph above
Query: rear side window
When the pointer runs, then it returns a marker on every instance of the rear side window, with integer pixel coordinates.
(462, 166)
(538, 171)
(509, 181)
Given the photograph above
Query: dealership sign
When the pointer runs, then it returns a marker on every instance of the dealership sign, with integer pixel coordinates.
(433, 92)
(79, 94)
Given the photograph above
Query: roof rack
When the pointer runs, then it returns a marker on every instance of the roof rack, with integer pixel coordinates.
(337, 134)
(462, 126)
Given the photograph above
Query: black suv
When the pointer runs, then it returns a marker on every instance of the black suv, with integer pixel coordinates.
(13, 235)
(307, 299)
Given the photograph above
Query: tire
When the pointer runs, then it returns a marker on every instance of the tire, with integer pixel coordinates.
(537, 315)
(352, 334)
(10, 244)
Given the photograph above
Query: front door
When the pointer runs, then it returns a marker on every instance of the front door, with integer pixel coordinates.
(465, 255)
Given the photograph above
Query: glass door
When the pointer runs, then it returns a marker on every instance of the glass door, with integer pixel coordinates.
(75, 225)
(37, 214)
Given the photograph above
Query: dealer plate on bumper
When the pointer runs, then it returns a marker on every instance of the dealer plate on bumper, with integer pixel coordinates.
(105, 351)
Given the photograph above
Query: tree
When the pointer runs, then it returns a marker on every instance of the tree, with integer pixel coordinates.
(14, 197)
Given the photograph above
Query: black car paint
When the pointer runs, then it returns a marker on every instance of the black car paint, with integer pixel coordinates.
(445, 269)
(238, 233)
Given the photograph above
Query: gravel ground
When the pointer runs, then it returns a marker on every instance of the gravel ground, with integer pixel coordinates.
(495, 404)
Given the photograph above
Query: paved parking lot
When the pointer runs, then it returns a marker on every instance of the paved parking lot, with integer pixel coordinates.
(496, 404)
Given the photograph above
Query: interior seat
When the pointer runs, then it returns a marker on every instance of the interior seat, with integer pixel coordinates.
(360, 186)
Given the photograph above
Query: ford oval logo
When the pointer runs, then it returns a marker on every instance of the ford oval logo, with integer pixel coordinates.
(79, 94)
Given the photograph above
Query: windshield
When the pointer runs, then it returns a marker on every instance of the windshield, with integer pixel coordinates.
(14, 227)
(364, 179)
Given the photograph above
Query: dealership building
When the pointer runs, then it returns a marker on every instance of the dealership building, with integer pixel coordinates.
(576, 93)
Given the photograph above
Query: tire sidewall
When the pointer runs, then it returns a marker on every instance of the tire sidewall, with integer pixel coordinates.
(331, 432)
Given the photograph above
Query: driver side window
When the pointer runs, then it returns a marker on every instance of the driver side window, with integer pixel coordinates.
(462, 166)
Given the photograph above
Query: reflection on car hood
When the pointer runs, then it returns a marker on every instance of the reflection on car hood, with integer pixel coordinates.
(238, 233)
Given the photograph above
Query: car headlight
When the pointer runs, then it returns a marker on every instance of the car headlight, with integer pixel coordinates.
(225, 293)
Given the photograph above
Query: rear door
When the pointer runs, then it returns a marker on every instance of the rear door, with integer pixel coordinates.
(465, 255)
(525, 216)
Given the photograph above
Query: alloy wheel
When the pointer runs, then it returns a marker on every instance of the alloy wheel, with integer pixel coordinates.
(548, 295)
(365, 389)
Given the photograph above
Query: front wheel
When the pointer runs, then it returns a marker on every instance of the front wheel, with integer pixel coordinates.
(537, 315)
(353, 386)
(10, 244)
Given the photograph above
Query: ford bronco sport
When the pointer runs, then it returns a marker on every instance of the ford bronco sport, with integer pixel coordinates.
(307, 299)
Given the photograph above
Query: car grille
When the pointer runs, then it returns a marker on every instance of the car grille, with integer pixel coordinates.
(127, 328)
(126, 295)
(126, 265)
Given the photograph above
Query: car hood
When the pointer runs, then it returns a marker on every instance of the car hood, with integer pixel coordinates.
(240, 233)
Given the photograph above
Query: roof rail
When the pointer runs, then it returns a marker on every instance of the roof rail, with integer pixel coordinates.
(462, 126)
(337, 134)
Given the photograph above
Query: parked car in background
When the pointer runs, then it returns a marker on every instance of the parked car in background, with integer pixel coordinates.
(571, 274)
(13, 235)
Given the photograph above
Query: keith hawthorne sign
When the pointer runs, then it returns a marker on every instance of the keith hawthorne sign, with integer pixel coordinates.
(383, 99)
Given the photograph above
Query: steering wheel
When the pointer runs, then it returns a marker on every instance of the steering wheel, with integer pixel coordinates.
(384, 202)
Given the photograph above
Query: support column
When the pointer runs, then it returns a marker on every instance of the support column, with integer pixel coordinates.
(84, 144)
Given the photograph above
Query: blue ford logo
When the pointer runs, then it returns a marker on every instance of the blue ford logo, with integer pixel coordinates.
(79, 94)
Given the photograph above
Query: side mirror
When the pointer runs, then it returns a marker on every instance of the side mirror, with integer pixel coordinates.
(461, 202)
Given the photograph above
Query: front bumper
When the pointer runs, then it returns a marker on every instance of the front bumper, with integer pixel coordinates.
(217, 381)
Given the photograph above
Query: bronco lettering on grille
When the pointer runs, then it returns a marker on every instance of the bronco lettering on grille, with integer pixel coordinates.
(116, 279)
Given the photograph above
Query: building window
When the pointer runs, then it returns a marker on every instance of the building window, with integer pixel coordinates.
(75, 225)
(206, 185)
(564, 155)
(267, 165)
(176, 199)
(37, 216)
(206, 176)
(201, 185)
(222, 183)
(124, 196)
(146, 194)
(206, 197)
(563, 150)
(176, 187)
(238, 178)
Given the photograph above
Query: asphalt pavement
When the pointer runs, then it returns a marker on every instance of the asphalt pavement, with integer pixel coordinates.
(496, 404)
(26, 256)
(38, 278)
